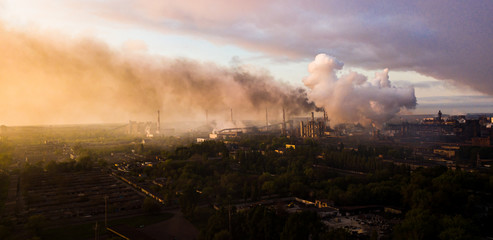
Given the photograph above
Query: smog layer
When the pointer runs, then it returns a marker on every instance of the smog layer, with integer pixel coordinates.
(57, 80)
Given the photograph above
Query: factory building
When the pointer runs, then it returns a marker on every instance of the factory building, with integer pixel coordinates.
(149, 129)
(314, 128)
(141, 128)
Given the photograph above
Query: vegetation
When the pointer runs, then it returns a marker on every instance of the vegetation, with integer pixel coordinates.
(5, 161)
(151, 207)
(444, 202)
(437, 203)
(267, 223)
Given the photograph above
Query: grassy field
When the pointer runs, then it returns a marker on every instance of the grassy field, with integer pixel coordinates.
(85, 231)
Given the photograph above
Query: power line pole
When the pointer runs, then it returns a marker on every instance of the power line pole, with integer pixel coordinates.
(266, 119)
(283, 122)
(96, 231)
(106, 211)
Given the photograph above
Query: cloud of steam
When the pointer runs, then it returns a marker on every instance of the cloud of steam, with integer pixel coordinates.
(351, 97)
(48, 80)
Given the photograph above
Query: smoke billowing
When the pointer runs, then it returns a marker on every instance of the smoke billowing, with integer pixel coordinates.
(351, 97)
(55, 80)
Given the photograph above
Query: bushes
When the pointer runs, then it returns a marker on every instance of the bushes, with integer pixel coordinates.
(151, 206)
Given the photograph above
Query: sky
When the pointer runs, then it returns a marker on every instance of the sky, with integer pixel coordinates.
(443, 49)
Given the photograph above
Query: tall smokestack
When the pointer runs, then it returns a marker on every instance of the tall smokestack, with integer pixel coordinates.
(231, 115)
(266, 119)
(158, 130)
(283, 122)
(312, 126)
(326, 118)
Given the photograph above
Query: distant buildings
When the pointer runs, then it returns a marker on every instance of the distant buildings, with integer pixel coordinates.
(457, 129)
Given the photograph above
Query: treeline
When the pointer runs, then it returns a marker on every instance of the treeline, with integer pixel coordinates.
(205, 149)
(83, 163)
(5, 155)
(4, 187)
(352, 160)
(5, 161)
(256, 172)
(32, 171)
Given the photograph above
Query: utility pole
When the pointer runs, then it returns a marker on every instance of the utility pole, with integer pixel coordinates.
(106, 211)
(158, 130)
(96, 231)
(229, 213)
(283, 122)
(266, 120)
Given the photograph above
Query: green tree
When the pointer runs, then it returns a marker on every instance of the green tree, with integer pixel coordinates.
(457, 228)
(188, 201)
(418, 224)
(36, 224)
(4, 232)
(269, 187)
(84, 163)
(338, 233)
(222, 235)
(151, 206)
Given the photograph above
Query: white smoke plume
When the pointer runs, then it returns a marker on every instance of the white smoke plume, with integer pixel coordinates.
(351, 97)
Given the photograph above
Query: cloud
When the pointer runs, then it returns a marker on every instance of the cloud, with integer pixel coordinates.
(422, 84)
(456, 104)
(459, 100)
(134, 46)
(442, 39)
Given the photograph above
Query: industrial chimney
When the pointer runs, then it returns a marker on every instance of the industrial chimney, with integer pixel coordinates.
(158, 127)
(283, 122)
(266, 120)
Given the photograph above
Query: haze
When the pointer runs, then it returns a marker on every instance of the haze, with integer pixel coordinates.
(95, 62)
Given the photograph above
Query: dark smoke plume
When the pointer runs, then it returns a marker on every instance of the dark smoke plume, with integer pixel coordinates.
(48, 80)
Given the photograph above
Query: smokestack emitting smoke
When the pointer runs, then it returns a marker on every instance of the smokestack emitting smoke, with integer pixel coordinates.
(48, 80)
(283, 122)
(266, 118)
(158, 122)
(351, 97)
